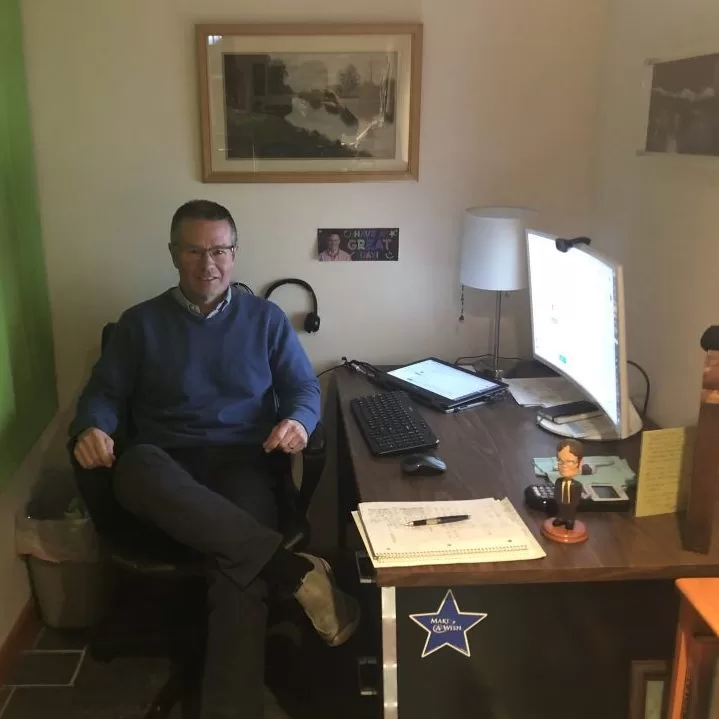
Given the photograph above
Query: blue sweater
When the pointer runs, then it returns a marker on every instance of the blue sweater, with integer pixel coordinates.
(192, 381)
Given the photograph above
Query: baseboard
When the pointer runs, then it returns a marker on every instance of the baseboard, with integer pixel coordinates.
(26, 627)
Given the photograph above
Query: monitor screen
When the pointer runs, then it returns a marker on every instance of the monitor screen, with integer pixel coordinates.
(577, 320)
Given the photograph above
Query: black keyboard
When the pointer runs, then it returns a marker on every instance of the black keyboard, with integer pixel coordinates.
(391, 424)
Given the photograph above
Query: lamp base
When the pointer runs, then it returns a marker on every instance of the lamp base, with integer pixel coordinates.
(485, 368)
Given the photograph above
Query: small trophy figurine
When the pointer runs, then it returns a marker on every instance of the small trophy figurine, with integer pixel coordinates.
(565, 528)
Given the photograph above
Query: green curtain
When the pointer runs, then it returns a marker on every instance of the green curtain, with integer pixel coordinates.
(28, 395)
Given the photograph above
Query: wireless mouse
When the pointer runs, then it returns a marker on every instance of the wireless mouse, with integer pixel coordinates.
(423, 465)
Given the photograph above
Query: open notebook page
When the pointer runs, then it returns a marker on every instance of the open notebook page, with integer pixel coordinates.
(493, 525)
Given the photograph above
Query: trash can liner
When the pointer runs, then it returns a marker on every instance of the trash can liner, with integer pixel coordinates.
(54, 526)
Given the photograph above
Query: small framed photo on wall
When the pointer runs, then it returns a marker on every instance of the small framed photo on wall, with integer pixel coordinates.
(683, 113)
(360, 244)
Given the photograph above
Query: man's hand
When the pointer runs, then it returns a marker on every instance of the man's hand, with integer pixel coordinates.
(288, 436)
(94, 448)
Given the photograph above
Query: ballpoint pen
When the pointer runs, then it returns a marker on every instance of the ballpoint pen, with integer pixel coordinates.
(438, 520)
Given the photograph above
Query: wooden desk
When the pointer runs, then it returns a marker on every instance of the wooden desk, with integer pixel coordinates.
(489, 451)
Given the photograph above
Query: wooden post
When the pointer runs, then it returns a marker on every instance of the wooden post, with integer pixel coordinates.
(697, 533)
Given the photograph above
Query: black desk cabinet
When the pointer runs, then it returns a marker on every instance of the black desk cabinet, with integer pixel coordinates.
(554, 651)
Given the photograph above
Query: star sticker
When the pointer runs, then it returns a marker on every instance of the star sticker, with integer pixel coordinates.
(447, 626)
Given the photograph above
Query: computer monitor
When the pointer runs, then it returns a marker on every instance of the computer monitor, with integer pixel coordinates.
(577, 307)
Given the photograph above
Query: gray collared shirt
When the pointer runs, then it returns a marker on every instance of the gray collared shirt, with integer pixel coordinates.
(179, 295)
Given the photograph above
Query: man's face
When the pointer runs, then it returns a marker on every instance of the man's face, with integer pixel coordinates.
(333, 244)
(567, 463)
(204, 259)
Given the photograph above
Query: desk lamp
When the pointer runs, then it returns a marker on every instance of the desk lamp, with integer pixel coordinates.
(494, 257)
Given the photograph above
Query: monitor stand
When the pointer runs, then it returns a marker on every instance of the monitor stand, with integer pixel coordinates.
(597, 429)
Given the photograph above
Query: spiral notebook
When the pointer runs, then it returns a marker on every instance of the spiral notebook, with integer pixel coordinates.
(494, 532)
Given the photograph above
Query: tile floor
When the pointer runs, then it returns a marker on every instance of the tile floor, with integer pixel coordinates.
(58, 678)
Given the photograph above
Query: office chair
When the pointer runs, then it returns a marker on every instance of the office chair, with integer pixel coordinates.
(174, 582)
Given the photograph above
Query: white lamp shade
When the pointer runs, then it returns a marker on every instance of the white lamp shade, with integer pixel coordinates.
(494, 248)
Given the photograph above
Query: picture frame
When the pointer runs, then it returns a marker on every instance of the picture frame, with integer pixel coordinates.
(309, 102)
(649, 689)
(681, 114)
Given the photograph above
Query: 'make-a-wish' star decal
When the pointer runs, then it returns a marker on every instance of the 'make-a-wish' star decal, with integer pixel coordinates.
(447, 627)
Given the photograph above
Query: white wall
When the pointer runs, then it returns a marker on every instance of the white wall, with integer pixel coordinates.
(509, 113)
(659, 214)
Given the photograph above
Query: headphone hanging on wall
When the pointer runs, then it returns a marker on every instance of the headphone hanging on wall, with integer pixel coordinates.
(312, 319)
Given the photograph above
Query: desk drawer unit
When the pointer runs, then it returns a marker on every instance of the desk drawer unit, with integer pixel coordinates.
(533, 651)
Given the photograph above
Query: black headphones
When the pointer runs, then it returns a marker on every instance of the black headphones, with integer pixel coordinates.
(312, 319)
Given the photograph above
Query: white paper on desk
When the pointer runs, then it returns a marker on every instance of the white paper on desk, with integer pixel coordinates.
(467, 558)
(543, 391)
(494, 532)
(593, 426)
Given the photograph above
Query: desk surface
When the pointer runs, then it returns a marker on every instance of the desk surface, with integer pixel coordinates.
(489, 451)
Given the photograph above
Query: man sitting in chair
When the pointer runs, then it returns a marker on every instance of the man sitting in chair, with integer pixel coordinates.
(217, 384)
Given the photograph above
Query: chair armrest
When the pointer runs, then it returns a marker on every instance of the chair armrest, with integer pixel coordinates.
(313, 464)
(316, 441)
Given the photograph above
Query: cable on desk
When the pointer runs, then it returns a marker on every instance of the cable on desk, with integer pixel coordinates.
(330, 369)
(489, 354)
(648, 387)
(360, 367)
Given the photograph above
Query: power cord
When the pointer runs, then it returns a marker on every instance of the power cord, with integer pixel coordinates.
(360, 367)
(487, 355)
(648, 387)
(363, 368)
(329, 369)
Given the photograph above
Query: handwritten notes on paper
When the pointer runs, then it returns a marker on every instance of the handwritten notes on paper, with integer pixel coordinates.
(493, 532)
(664, 470)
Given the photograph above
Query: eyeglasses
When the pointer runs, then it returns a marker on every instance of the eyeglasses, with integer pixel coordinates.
(565, 462)
(218, 254)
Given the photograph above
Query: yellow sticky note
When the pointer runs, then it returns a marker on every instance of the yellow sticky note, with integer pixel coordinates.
(665, 466)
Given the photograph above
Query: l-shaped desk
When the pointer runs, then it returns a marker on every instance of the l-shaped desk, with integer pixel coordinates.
(560, 632)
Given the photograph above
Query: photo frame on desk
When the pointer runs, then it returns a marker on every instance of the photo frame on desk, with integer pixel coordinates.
(309, 102)
(649, 689)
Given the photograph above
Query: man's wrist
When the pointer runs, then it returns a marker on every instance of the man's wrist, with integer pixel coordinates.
(301, 424)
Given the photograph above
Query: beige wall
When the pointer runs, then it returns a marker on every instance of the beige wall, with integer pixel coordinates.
(509, 106)
(509, 112)
(659, 214)
(15, 590)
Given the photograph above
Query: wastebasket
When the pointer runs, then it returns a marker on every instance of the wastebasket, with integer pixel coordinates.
(56, 537)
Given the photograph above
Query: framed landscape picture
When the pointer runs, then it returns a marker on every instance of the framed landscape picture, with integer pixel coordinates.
(309, 103)
(683, 115)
